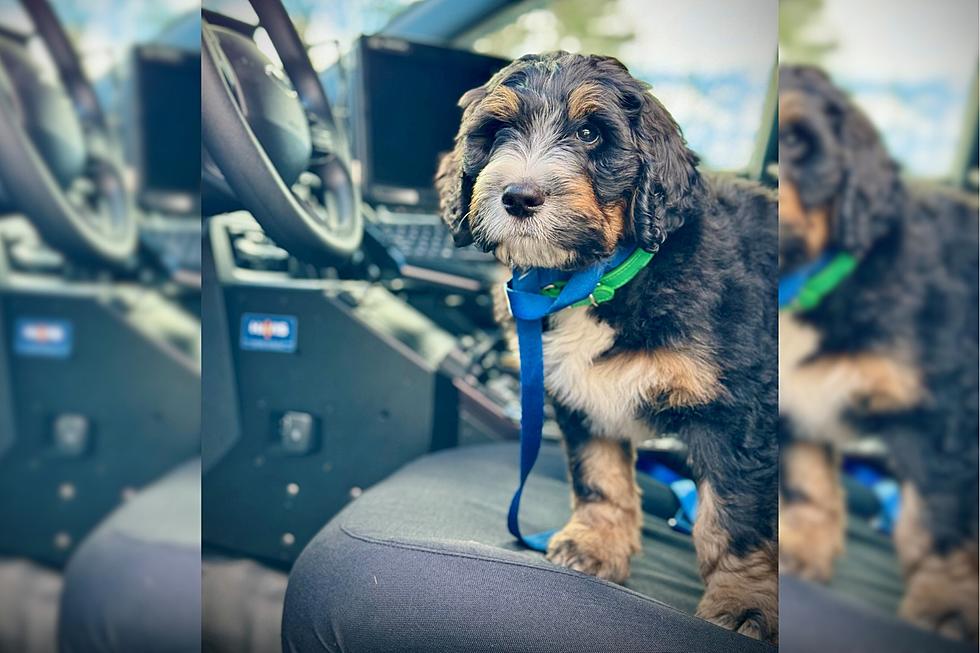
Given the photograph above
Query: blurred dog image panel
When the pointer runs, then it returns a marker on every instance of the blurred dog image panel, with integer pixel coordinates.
(100, 343)
(560, 160)
(878, 336)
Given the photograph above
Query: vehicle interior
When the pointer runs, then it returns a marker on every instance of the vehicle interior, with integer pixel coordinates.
(99, 282)
(355, 375)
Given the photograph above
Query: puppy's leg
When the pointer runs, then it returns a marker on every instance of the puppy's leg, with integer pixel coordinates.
(812, 515)
(941, 578)
(734, 533)
(604, 530)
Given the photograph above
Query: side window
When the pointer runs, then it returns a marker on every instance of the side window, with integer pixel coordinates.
(914, 83)
(712, 78)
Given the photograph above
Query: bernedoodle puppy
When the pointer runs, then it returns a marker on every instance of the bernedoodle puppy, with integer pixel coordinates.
(890, 350)
(560, 159)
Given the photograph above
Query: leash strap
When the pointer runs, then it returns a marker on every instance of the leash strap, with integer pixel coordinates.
(529, 306)
(685, 491)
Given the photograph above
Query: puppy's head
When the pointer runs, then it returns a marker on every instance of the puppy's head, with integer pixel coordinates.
(561, 157)
(838, 188)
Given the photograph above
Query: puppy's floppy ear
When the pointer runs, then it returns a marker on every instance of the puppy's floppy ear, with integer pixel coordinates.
(669, 186)
(454, 186)
(871, 194)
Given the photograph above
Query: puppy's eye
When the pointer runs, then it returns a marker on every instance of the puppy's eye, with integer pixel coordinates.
(587, 134)
(798, 142)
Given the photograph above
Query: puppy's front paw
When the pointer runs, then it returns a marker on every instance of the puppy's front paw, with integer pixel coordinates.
(603, 552)
(746, 604)
(941, 595)
(811, 538)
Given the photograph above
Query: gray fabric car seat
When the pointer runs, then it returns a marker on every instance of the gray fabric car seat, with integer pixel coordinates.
(134, 584)
(856, 612)
(423, 562)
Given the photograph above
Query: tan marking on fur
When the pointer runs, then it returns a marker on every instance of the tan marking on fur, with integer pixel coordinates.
(868, 381)
(710, 538)
(792, 107)
(614, 225)
(606, 468)
(601, 536)
(912, 540)
(811, 529)
(579, 198)
(941, 591)
(879, 381)
(611, 390)
(685, 378)
(813, 224)
(734, 586)
(585, 99)
(501, 103)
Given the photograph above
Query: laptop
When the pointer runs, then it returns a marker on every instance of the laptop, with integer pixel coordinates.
(405, 101)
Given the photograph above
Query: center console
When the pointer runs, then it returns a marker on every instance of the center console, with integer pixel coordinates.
(82, 422)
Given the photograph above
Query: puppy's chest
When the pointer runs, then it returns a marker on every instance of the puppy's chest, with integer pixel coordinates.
(612, 390)
(817, 393)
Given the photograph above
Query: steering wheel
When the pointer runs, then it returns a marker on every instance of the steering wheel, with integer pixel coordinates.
(275, 140)
(56, 163)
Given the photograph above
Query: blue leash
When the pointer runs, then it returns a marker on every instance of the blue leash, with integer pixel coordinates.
(886, 490)
(529, 308)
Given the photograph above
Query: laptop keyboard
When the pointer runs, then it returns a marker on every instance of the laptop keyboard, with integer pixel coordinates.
(428, 241)
(422, 237)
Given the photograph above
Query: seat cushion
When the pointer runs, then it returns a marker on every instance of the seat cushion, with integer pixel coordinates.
(815, 619)
(423, 562)
(134, 584)
(856, 612)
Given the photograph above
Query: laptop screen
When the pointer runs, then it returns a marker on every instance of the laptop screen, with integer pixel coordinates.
(409, 114)
(168, 82)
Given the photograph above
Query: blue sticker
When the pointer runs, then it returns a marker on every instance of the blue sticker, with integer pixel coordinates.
(261, 332)
(43, 337)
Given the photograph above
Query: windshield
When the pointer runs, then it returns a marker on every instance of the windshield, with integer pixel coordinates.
(328, 29)
(910, 66)
(105, 31)
(711, 77)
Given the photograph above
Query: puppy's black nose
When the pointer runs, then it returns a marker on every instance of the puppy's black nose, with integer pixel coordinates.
(522, 199)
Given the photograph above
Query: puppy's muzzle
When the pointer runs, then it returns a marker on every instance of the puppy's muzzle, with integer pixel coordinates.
(522, 199)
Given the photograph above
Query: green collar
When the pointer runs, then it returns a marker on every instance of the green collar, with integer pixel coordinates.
(823, 283)
(610, 282)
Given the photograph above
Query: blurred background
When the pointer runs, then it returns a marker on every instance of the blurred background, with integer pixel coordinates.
(99, 325)
(715, 79)
(912, 66)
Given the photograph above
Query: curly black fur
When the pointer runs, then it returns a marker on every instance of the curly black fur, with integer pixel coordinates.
(713, 283)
